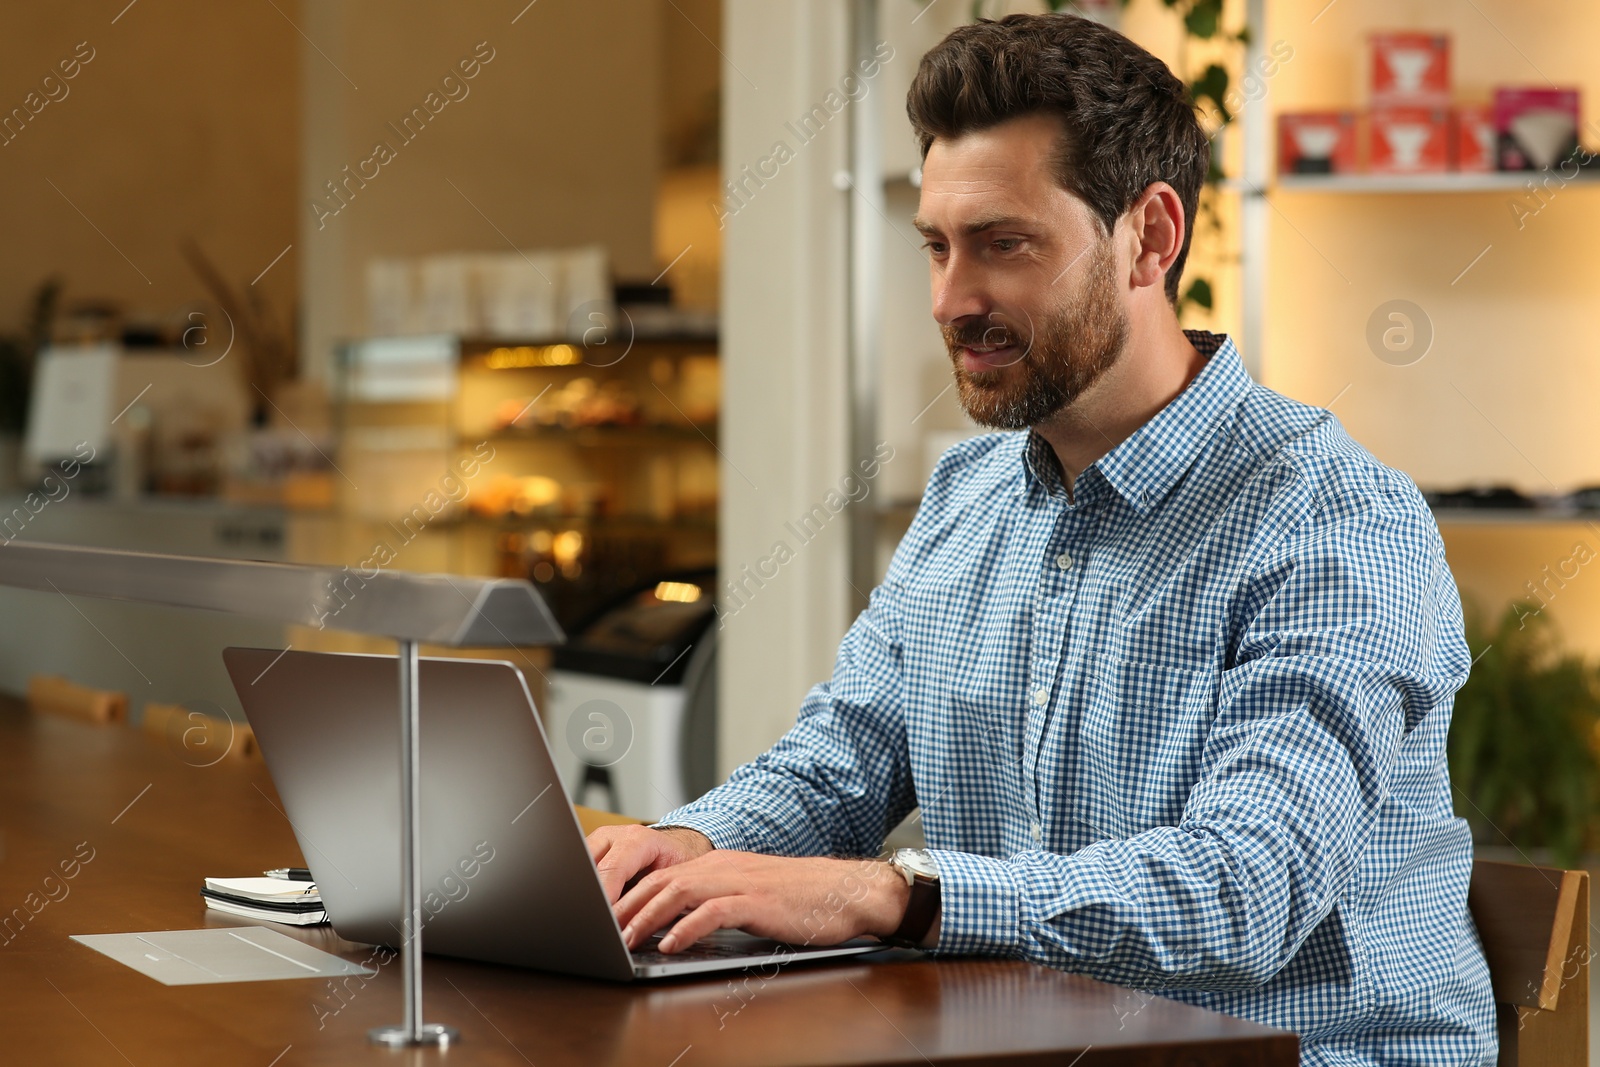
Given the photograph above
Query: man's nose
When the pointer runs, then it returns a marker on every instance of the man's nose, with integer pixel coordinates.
(959, 293)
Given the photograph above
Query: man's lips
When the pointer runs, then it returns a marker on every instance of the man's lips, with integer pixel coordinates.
(986, 357)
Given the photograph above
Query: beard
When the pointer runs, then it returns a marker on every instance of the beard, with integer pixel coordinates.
(1071, 347)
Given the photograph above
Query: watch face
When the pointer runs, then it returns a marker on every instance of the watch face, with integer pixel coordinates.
(917, 861)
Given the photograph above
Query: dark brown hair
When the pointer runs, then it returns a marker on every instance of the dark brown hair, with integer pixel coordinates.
(1127, 121)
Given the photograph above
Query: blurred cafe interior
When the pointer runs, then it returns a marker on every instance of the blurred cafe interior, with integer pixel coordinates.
(623, 298)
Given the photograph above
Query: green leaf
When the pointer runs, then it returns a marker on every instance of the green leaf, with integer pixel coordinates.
(1204, 19)
(1198, 293)
(1212, 85)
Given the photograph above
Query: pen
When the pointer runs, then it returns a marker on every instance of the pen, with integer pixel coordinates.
(290, 874)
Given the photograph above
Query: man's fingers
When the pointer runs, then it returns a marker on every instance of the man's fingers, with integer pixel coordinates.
(665, 894)
(599, 842)
(719, 913)
(619, 867)
(619, 853)
(652, 903)
(612, 879)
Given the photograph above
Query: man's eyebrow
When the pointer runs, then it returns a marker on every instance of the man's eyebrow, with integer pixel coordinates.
(978, 225)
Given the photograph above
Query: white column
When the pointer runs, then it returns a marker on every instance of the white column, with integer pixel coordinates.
(785, 395)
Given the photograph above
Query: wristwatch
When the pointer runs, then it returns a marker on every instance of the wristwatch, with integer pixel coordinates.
(921, 872)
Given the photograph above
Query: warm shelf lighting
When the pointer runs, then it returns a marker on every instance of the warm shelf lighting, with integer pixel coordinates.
(681, 592)
(567, 547)
(533, 356)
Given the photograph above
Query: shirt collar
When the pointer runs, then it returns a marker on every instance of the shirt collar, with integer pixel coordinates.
(1143, 468)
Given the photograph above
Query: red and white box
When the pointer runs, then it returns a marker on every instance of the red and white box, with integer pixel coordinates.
(1317, 142)
(1410, 69)
(1409, 140)
(1475, 138)
(1537, 127)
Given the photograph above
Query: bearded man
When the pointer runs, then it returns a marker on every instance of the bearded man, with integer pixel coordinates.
(1167, 664)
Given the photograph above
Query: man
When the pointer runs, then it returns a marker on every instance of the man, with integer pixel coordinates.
(1169, 671)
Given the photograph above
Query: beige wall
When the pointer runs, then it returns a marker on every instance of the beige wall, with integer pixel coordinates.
(557, 142)
(692, 75)
(184, 123)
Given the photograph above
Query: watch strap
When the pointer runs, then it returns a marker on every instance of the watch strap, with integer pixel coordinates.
(921, 910)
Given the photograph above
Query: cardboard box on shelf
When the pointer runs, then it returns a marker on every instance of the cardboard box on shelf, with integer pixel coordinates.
(1409, 140)
(1536, 127)
(1410, 69)
(1317, 142)
(1473, 142)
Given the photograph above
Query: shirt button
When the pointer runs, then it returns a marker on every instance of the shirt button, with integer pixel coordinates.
(1064, 561)
(1041, 695)
(1038, 833)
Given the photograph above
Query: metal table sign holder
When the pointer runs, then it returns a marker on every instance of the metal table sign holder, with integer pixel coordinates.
(410, 608)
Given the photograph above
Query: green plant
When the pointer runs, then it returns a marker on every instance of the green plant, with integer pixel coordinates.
(1522, 752)
(18, 354)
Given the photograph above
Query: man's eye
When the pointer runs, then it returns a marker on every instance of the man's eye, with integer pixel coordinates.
(1006, 244)
(936, 247)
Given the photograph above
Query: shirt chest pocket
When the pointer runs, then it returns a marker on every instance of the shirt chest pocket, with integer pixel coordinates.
(1140, 739)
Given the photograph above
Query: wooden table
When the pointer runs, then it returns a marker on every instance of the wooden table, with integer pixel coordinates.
(159, 821)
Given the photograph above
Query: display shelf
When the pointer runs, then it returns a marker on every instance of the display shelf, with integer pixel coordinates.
(598, 436)
(450, 394)
(675, 337)
(611, 523)
(554, 354)
(1514, 517)
(1491, 182)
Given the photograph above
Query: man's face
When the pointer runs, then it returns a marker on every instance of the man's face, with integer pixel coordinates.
(1027, 289)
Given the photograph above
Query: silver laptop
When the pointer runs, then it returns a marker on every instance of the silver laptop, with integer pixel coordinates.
(506, 874)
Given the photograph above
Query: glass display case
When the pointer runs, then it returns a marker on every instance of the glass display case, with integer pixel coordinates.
(587, 468)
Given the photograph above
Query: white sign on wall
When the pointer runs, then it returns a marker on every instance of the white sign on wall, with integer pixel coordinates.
(73, 391)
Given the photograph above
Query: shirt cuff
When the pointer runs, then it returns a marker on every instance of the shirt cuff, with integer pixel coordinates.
(979, 905)
(724, 831)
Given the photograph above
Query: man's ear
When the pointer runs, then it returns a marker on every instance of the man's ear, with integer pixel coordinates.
(1156, 230)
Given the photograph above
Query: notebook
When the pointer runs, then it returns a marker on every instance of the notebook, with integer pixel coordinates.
(273, 899)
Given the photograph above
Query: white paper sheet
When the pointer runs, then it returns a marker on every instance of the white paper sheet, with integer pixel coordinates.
(204, 957)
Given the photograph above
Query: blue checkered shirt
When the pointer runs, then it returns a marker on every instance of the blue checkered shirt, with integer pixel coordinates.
(1183, 730)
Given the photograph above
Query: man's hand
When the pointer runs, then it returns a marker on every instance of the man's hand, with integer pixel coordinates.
(621, 852)
(813, 901)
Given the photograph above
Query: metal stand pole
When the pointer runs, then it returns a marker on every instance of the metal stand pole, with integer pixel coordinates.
(413, 1031)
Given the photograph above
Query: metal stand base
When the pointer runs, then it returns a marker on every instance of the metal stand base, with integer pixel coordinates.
(402, 1037)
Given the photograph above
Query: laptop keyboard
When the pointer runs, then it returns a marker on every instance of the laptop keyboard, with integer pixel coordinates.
(702, 950)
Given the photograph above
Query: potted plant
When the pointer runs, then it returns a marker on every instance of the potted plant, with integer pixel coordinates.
(1523, 760)
(268, 354)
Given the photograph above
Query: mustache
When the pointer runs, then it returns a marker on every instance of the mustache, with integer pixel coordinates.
(980, 335)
